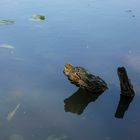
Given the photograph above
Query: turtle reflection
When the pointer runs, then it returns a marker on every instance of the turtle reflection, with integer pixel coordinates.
(79, 101)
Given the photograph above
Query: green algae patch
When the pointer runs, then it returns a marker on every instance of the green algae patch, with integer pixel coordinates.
(6, 22)
(38, 17)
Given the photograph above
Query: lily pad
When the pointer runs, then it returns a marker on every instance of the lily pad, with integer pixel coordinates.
(37, 17)
(6, 22)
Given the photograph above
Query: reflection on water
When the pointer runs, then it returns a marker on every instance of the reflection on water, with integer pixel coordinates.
(79, 101)
(133, 60)
(11, 114)
(55, 137)
(127, 92)
(16, 137)
(123, 106)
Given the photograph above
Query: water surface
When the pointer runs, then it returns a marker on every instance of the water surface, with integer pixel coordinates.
(98, 35)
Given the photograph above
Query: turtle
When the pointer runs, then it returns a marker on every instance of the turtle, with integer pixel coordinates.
(84, 79)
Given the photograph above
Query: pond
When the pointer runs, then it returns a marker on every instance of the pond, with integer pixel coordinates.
(95, 34)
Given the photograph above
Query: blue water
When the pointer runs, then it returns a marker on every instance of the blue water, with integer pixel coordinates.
(95, 34)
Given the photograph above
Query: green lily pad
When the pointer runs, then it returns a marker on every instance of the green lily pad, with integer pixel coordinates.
(37, 17)
(6, 22)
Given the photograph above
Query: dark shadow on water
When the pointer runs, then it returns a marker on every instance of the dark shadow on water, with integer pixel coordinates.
(79, 101)
(123, 106)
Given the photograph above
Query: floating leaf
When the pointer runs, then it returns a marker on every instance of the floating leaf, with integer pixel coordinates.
(12, 114)
(7, 46)
(37, 17)
(6, 22)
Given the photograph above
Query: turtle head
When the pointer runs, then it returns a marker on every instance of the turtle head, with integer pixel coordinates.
(67, 69)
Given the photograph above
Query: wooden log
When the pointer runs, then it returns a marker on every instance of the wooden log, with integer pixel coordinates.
(125, 83)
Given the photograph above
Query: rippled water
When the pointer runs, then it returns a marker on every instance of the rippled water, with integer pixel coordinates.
(98, 35)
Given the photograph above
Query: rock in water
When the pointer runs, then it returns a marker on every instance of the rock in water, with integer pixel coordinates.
(82, 78)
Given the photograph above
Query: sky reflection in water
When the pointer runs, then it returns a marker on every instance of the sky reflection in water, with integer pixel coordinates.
(98, 35)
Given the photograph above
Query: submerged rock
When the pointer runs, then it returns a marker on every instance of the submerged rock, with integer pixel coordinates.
(82, 78)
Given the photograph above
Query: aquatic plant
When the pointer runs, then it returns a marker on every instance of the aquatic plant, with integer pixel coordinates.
(6, 22)
(37, 17)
